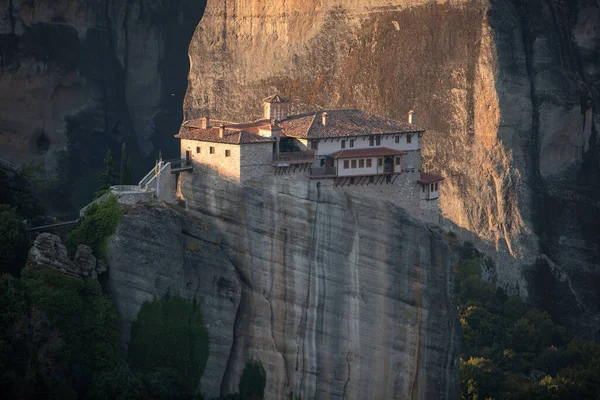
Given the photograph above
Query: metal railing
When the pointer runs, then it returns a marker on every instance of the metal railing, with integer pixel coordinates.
(306, 155)
(323, 171)
(180, 163)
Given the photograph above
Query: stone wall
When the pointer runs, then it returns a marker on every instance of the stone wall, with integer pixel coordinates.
(227, 168)
(256, 161)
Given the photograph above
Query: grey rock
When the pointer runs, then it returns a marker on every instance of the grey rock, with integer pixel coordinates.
(48, 251)
(85, 260)
(337, 296)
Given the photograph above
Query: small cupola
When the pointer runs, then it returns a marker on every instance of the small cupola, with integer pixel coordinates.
(275, 108)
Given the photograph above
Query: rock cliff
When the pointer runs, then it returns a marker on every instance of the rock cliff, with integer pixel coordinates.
(80, 77)
(509, 89)
(339, 297)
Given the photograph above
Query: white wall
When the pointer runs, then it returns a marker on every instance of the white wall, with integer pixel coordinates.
(328, 146)
(356, 171)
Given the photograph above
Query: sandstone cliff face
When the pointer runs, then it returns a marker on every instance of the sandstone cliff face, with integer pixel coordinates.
(80, 77)
(339, 297)
(508, 88)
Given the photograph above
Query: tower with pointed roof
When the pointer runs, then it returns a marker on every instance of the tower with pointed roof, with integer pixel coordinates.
(275, 108)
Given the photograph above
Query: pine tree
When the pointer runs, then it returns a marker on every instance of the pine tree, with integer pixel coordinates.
(125, 177)
(107, 177)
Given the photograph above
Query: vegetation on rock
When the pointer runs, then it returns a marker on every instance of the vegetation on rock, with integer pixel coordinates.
(169, 340)
(513, 351)
(253, 381)
(14, 242)
(59, 331)
(98, 224)
(107, 177)
(125, 175)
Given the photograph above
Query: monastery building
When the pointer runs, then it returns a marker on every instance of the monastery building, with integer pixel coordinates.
(348, 150)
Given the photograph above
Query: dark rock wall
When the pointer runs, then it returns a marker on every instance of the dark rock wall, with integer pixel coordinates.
(80, 77)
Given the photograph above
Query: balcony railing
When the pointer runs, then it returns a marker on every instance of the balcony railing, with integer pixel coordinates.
(295, 156)
(322, 171)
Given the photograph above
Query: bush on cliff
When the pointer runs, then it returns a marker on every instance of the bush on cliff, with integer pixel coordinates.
(169, 344)
(253, 381)
(14, 242)
(58, 333)
(513, 351)
(98, 224)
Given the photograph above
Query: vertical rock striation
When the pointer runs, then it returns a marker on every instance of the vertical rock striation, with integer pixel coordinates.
(337, 296)
(508, 88)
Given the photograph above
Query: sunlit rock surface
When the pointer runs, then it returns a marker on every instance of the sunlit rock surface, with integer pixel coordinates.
(508, 88)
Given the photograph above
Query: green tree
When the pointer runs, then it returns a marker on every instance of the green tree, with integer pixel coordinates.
(118, 383)
(97, 225)
(125, 176)
(170, 334)
(253, 381)
(107, 177)
(14, 241)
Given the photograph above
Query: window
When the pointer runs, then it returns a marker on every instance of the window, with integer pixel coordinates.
(343, 144)
(346, 164)
(212, 150)
(408, 138)
(361, 163)
(431, 187)
(371, 140)
(227, 153)
(353, 163)
(423, 188)
(314, 145)
(369, 163)
(378, 140)
(380, 162)
(198, 149)
(397, 160)
(397, 139)
(351, 142)
(322, 162)
(436, 186)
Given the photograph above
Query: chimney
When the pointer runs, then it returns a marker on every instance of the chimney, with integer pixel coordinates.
(324, 119)
(411, 114)
(221, 131)
(205, 122)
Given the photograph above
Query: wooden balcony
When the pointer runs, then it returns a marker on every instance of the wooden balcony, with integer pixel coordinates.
(294, 156)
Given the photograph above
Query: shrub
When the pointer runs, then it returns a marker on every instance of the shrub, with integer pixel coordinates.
(170, 334)
(98, 224)
(253, 381)
(14, 241)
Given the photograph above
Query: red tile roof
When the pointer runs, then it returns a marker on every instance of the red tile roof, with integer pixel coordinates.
(343, 123)
(234, 133)
(274, 99)
(429, 178)
(369, 152)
